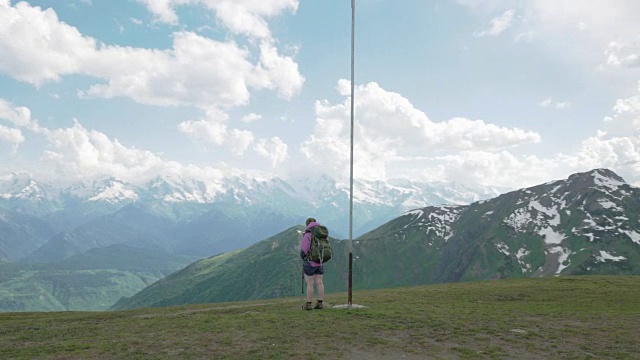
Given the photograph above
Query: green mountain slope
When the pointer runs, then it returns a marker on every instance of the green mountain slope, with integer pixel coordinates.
(270, 268)
(586, 224)
(89, 281)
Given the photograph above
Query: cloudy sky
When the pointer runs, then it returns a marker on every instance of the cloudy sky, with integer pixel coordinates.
(496, 92)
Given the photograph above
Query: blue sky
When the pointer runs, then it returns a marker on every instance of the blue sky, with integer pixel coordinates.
(496, 92)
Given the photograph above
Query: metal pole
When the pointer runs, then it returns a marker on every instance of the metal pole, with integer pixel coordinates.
(353, 21)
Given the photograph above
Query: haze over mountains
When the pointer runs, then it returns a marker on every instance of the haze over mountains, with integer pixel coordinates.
(586, 224)
(85, 247)
(179, 219)
(190, 217)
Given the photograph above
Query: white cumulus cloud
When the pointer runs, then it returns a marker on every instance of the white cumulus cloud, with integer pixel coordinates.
(18, 115)
(247, 17)
(196, 71)
(274, 149)
(390, 129)
(625, 120)
(89, 153)
(211, 131)
(393, 139)
(549, 102)
(498, 24)
(78, 153)
(215, 131)
(277, 72)
(12, 136)
(252, 117)
(37, 47)
(616, 147)
(623, 54)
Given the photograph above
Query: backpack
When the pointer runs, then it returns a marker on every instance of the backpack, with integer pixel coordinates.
(319, 248)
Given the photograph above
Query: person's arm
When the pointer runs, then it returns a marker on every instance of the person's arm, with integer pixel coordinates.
(305, 244)
(302, 253)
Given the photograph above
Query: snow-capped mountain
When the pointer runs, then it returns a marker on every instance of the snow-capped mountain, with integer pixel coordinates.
(25, 195)
(244, 189)
(280, 195)
(579, 220)
(212, 216)
(174, 189)
(20, 186)
(114, 191)
(587, 223)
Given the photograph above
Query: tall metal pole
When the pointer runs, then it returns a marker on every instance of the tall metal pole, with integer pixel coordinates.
(353, 21)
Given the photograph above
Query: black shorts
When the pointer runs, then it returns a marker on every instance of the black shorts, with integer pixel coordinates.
(312, 270)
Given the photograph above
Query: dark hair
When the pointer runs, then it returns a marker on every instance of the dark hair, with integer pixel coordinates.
(310, 220)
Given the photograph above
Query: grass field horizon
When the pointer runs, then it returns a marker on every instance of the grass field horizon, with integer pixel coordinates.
(578, 317)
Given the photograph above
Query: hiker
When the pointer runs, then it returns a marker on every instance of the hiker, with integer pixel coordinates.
(312, 270)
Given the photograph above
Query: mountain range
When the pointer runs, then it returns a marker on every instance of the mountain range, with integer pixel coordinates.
(588, 223)
(42, 226)
(191, 217)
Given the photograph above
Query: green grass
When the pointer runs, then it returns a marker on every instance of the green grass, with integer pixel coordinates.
(588, 317)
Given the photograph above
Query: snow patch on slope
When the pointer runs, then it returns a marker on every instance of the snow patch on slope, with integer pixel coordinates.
(604, 256)
(520, 256)
(503, 248)
(633, 235)
(439, 220)
(518, 219)
(563, 257)
(607, 182)
(550, 236)
(608, 204)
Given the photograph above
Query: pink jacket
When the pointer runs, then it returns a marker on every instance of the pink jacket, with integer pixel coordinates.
(305, 242)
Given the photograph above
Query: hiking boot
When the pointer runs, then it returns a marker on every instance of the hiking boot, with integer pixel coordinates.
(319, 305)
(307, 306)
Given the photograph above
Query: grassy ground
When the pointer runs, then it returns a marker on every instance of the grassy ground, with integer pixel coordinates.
(560, 318)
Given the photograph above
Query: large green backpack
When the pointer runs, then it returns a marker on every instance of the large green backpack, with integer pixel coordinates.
(319, 248)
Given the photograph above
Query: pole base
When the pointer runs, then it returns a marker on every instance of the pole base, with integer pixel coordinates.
(348, 306)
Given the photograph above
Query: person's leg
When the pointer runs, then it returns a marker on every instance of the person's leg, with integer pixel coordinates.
(309, 280)
(319, 286)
